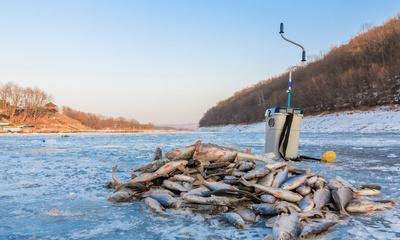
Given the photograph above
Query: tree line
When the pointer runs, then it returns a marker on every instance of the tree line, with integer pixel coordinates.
(26, 103)
(364, 72)
(22, 101)
(99, 122)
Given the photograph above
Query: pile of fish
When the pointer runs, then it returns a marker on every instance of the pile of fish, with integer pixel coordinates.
(244, 189)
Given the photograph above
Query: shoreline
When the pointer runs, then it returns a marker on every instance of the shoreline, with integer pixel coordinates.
(379, 119)
(384, 108)
(90, 131)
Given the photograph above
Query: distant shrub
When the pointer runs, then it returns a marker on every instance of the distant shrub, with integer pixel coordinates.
(100, 122)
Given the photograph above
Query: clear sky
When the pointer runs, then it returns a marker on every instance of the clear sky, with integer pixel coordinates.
(166, 61)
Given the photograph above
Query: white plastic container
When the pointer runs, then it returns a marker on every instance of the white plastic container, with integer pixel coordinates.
(275, 121)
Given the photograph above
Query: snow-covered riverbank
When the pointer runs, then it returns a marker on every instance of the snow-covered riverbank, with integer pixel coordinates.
(379, 120)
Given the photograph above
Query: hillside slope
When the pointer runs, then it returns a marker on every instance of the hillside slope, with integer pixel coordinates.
(363, 73)
(49, 122)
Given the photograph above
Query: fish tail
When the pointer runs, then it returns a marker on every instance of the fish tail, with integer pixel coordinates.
(244, 182)
(197, 146)
(344, 212)
(201, 179)
(392, 202)
(114, 177)
(120, 186)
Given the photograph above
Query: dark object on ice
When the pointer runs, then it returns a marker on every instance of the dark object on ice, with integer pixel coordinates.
(157, 154)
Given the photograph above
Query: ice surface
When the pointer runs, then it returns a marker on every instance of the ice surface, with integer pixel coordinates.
(67, 174)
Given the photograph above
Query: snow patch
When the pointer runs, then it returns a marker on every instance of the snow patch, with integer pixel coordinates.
(380, 120)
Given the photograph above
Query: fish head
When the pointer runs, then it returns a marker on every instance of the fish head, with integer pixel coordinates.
(284, 236)
(171, 166)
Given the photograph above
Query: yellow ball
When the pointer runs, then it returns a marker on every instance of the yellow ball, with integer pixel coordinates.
(328, 156)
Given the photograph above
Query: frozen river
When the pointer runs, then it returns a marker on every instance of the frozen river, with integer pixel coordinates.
(68, 174)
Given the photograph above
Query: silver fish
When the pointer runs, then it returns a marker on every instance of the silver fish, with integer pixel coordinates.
(335, 184)
(286, 207)
(268, 198)
(320, 183)
(189, 198)
(237, 173)
(256, 173)
(303, 189)
(312, 180)
(234, 219)
(185, 153)
(212, 152)
(369, 206)
(214, 186)
(286, 227)
(280, 178)
(151, 167)
(276, 192)
(298, 171)
(205, 152)
(331, 216)
(307, 203)
(174, 186)
(313, 213)
(165, 199)
(222, 201)
(316, 228)
(161, 172)
(206, 209)
(123, 195)
(200, 191)
(294, 182)
(182, 178)
(371, 186)
(264, 209)
(212, 200)
(321, 198)
(367, 192)
(246, 166)
(342, 197)
(231, 180)
(153, 204)
(247, 214)
(276, 165)
(267, 180)
(187, 185)
(157, 190)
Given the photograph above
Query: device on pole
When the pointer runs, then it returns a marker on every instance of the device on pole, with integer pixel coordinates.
(283, 123)
(303, 59)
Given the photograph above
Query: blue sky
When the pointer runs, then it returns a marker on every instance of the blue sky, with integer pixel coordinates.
(166, 61)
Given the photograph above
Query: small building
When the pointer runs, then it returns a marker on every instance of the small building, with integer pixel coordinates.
(51, 107)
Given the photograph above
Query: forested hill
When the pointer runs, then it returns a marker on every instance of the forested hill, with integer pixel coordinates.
(364, 72)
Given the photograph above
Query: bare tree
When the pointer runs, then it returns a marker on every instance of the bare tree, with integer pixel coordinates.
(29, 102)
